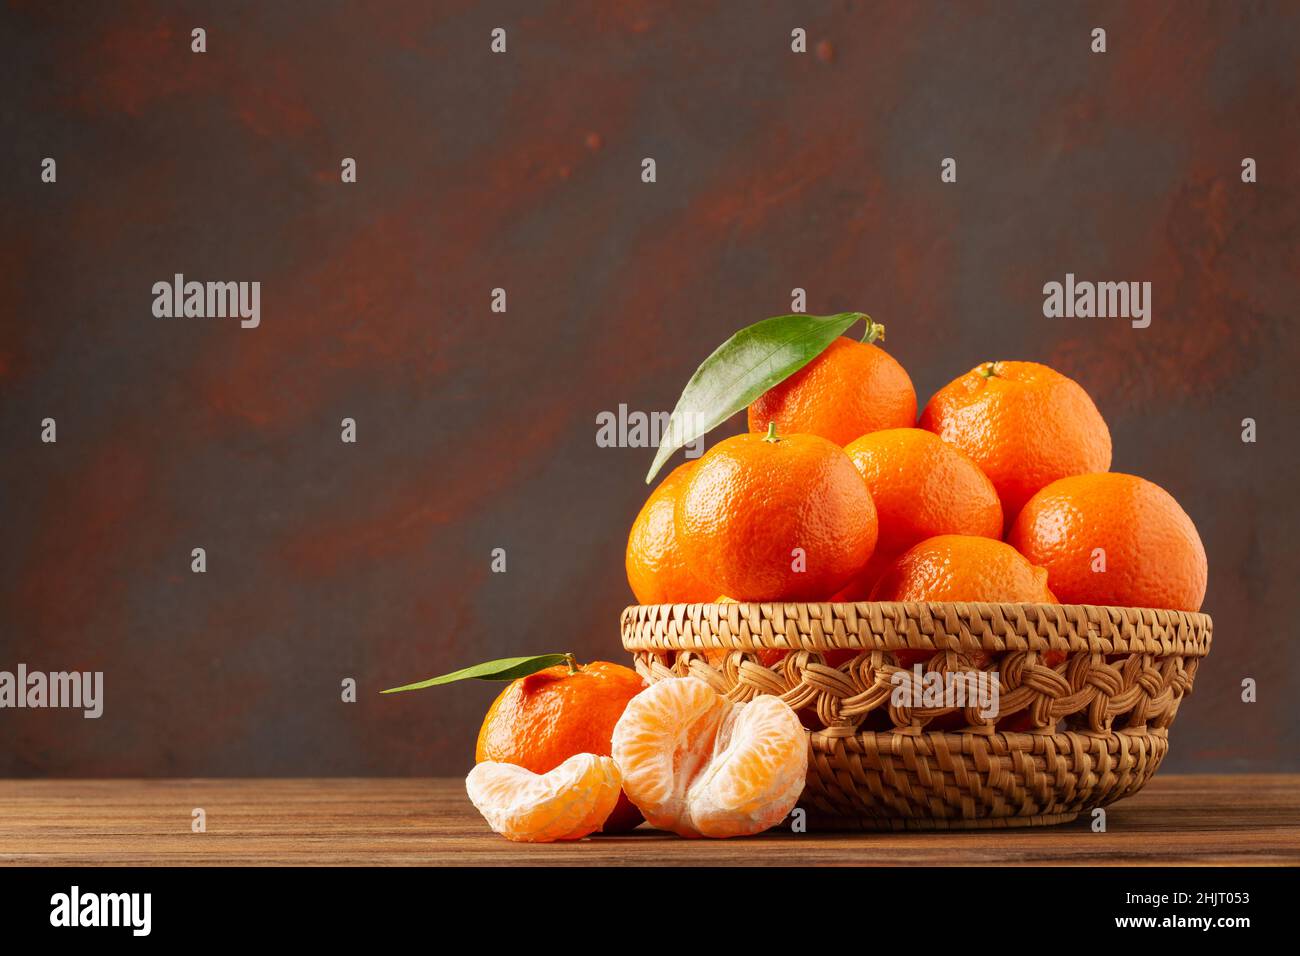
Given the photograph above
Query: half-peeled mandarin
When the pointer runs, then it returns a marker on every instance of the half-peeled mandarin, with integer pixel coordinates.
(697, 764)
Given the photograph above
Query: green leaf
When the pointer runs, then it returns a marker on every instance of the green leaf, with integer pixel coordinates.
(508, 668)
(743, 368)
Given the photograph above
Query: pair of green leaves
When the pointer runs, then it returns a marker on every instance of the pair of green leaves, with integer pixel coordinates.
(747, 365)
(507, 668)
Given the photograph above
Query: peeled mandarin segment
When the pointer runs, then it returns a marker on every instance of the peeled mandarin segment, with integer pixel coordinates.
(758, 775)
(697, 764)
(665, 734)
(569, 802)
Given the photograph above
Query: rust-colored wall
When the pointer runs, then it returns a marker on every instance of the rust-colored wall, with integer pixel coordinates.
(477, 430)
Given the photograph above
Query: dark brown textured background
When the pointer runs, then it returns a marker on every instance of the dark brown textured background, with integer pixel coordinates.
(477, 430)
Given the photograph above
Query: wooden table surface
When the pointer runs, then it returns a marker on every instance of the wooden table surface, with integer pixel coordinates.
(1176, 820)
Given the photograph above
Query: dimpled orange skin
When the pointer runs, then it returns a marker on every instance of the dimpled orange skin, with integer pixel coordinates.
(921, 487)
(750, 502)
(656, 570)
(1024, 424)
(957, 567)
(1154, 556)
(850, 389)
(541, 720)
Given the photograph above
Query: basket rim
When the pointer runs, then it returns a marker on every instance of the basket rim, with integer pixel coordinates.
(958, 741)
(925, 625)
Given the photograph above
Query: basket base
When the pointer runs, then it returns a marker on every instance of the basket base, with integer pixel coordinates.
(824, 823)
(953, 781)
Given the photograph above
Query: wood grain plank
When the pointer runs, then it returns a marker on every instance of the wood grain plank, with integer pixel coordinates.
(1176, 820)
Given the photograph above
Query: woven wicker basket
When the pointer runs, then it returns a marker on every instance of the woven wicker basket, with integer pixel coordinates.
(1091, 729)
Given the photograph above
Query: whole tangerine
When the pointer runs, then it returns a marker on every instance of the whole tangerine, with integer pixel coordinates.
(656, 570)
(850, 389)
(959, 567)
(767, 518)
(539, 721)
(1024, 424)
(1116, 540)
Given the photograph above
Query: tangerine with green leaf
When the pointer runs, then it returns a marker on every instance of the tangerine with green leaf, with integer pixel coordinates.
(742, 368)
(850, 389)
(541, 720)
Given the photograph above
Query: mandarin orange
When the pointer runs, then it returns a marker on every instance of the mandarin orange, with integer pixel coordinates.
(567, 803)
(655, 567)
(766, 518)
(850, 389)
(1114, 539)
(1024, 424)
(957, 567)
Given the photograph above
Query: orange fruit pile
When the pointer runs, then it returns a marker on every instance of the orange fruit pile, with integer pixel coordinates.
(1001, 492)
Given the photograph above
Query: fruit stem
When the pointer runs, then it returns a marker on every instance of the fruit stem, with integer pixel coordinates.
(572, 662)
(875, 331)
(771, 433)
(990, 370)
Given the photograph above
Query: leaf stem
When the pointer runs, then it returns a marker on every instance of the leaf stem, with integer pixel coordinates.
(875, 331)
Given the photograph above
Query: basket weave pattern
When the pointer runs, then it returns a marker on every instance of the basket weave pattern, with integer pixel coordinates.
(1092, 728)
